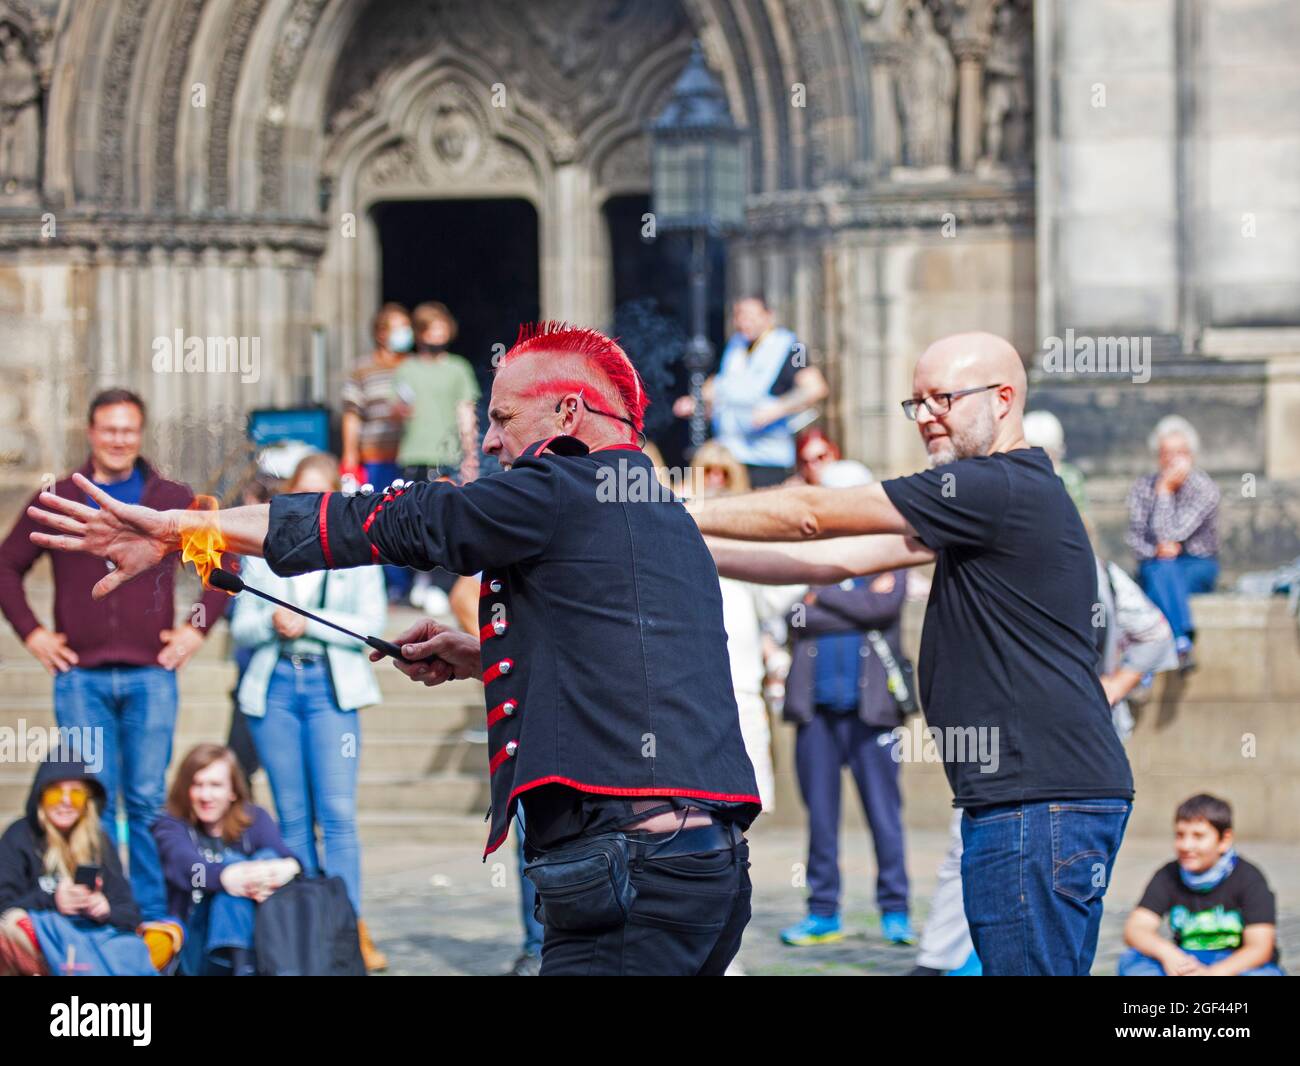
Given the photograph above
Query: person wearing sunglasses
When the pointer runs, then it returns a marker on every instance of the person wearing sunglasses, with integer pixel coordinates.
(65, 906)
(1008, 649)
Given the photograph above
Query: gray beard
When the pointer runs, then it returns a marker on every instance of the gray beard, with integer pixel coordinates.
(975, 439)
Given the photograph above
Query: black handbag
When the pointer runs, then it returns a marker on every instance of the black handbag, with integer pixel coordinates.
(307, 928)
(585, 885)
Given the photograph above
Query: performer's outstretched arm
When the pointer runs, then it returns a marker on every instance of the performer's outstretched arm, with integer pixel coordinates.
(135, 538)
(801, 512)
(815, 563)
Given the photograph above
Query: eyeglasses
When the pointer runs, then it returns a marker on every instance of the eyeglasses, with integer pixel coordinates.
(77, 795)
(941, 402)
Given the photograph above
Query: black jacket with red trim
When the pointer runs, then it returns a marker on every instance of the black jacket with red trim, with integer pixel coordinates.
(604, 655)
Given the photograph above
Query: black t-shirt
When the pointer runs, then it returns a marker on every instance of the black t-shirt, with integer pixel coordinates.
(1008, 643)
(1213, 920)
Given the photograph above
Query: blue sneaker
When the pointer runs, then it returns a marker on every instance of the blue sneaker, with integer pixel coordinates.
(972, 967)
(813, 930)
(897, 927)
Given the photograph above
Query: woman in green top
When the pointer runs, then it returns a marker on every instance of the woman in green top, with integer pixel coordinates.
(439, 395)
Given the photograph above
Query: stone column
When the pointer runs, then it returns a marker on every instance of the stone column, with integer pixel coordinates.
(574, 252)
(970, 53)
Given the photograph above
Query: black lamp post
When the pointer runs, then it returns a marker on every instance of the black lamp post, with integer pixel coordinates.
(699, 187)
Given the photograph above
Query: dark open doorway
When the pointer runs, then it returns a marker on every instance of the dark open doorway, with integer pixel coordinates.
(479, 257)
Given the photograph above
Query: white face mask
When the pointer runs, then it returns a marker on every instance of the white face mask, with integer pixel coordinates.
(400, 339)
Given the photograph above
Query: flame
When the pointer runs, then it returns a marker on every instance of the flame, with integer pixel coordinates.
(202, 542)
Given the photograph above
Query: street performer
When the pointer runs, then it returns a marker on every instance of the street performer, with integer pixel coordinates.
(603, 657)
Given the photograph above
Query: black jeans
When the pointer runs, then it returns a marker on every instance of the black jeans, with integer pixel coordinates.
(687, 920)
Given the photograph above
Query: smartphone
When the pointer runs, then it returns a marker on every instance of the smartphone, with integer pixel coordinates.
(87, 876)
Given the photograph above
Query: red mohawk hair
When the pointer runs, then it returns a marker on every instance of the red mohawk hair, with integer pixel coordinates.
(595, 350)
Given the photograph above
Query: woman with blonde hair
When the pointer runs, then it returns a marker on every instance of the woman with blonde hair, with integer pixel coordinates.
(65, 906)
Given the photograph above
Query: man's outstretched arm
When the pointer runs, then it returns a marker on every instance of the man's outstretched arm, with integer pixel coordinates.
(135, 538)
(825, 562)
(801, 512)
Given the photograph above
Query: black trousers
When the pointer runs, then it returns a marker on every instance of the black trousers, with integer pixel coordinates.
(686, 921)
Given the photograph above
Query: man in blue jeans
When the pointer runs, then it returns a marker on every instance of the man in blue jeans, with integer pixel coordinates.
(114, 663)
(1008, 652)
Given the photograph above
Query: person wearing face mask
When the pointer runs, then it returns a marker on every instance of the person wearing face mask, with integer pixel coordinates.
(65, 906)
(372, 425)
(439, 394)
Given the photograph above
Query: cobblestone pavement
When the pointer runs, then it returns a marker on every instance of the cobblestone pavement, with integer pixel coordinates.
(434, 908)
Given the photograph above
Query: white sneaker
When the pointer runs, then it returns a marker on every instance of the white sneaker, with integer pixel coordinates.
(436, 602)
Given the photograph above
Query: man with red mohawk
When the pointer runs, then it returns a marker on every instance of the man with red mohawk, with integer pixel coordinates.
(603, 657)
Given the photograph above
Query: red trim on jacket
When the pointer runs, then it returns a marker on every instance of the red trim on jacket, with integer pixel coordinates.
(499, 711)
(543, 446)
(501, 756)
(493, 629)
(324, 530)
(497, 669)
(619, 447)
(485, 587)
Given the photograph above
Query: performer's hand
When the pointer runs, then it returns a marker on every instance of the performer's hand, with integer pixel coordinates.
(457, 653)
(178, 645)
(134, 539)
(684, 406)
(1168, 549)
(51, 650)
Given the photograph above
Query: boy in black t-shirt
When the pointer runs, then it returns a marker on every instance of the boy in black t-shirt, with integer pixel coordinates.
(1220, 908)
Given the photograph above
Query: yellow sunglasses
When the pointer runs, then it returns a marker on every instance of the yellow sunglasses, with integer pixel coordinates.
(77, 795)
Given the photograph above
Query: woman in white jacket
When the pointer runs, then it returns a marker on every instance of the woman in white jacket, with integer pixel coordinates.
(301, 693)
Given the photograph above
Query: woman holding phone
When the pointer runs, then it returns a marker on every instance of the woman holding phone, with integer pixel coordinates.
(65, 907)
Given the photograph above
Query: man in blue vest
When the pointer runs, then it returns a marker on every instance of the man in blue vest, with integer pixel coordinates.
(763, 385)
(610, 712)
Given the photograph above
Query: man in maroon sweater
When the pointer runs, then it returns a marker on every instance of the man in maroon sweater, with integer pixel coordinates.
(114, 662)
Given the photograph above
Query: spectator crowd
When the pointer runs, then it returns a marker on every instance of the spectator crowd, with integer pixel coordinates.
(206, 867)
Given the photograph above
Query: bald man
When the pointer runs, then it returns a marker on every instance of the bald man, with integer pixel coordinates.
(601, 648)
(1008, 651)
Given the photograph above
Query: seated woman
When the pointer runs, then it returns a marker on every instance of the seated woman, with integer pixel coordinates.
(65, 907)
(1173, 530)
(221, 856)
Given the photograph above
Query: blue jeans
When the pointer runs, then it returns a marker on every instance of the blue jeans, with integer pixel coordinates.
(310, 748)
(134, 710)
(1033, 876)
(398, 579)
(218, 921)
(1168, 582)
(822, 747)
(1134, 964)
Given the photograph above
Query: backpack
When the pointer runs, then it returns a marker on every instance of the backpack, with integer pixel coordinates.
(307, 929)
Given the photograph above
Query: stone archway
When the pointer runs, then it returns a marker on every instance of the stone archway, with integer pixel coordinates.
(476, 112)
